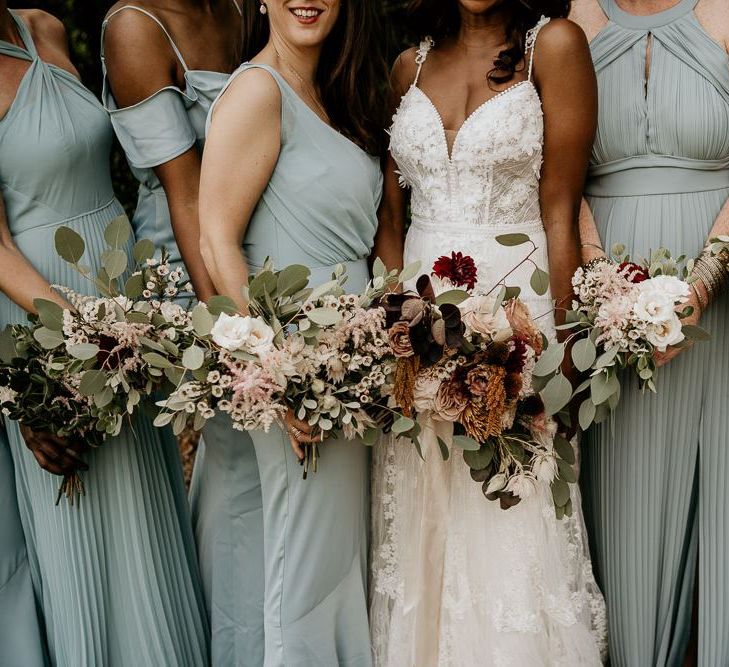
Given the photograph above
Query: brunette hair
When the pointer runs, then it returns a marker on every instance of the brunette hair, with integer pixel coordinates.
(351, 70)
(441, 18)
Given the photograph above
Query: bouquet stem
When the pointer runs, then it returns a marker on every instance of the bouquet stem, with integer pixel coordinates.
(311, 458)
(72, 487)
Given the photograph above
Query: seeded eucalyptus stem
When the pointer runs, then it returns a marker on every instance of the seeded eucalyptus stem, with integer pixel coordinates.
(72, 487)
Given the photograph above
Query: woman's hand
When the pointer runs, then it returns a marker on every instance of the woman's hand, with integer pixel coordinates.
(662, 358)
(54, 454)
(300, 434)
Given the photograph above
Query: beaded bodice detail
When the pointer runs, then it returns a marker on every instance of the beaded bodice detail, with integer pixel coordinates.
(491, 176)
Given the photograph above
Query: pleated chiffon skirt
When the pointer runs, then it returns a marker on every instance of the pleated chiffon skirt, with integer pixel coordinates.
(655, 475)
(116, 575)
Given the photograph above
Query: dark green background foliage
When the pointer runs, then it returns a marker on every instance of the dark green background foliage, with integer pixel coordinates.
(83, 20)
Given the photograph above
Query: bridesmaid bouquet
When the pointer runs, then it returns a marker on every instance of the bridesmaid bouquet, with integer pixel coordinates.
(623, 313)
(81, 372)
(464, 377)
(320, 353)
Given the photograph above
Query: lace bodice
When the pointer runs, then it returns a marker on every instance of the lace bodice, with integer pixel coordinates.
(491, 176)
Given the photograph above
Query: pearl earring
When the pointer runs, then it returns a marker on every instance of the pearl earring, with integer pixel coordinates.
(263, 9)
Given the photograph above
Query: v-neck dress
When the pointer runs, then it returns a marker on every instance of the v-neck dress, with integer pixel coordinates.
(284, 560)
(655, 476)
(115, 575)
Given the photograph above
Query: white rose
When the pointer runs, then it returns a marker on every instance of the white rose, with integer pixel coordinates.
(666, 333)
(260, 338)
(674, 287)
(424, 392)
(231, 332)
(654, 306)
(170, 310)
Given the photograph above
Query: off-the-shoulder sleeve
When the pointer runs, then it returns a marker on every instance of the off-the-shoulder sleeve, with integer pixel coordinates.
(155, 130)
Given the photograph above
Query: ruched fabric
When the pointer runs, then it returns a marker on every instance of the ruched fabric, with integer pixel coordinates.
(654, 475)
(116, 575)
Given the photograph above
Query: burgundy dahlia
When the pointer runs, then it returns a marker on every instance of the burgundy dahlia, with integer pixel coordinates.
(460, 269)
(634, 272)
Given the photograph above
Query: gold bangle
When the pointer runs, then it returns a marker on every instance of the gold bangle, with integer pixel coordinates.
(592, 245)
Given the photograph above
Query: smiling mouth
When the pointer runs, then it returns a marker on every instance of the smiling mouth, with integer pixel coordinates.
(307, 15)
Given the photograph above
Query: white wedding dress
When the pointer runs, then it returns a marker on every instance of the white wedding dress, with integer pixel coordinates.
(457, 581)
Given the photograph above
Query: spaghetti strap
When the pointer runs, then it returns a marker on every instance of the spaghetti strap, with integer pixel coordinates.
(157, 21)
(530, 43)
(421, 55)
(237, 7)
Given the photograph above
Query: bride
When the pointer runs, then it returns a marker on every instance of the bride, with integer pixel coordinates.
(492, 134)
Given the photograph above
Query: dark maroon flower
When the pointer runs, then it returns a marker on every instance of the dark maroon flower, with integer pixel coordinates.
(460, 269)
(532, 406)
(634, 272)
(517, 358)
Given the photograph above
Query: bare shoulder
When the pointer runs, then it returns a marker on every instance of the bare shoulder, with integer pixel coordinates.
(45, 28)
(560, 38)
(714, 18)
(404, 70)
(253, 91)
(133, 29)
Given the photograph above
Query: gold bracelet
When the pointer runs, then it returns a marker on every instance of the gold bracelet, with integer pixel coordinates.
(592, 245)
(701, 298)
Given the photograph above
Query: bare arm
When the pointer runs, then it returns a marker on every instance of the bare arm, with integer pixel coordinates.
(242, 149)
(390, 237)
(568, 89)
(141, 62)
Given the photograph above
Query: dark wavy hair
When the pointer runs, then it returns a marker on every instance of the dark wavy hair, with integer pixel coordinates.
(441, 19)
(351, 70)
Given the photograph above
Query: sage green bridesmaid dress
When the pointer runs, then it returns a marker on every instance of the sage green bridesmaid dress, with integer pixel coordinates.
(22, 640)
(655, 476)
(319, 209)
(116, 575)
(157, 130)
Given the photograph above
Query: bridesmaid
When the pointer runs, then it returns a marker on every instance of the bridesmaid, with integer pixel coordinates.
(655, 480)
(116, 575)
(290, 172)
(158, 100)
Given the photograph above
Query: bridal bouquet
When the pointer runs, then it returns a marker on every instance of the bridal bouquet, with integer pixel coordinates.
(465, 361)
(81, 371)
(623, 313)
(321, 353)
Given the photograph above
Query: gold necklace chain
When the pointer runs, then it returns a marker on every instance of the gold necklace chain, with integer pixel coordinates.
(308, 88)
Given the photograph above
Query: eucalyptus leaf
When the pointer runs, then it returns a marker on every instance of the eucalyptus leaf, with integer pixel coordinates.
(560, 492)
(48, 338)
(324, 316)
(114, 262)
(454, 297)
(539, 281)
(156, 360)
(512, 293)
(445, 453)
(402, 425)
(566, 471)
(179, 423)
(104, 397)
(479, 459)
(586, 414)
(50, 314)
(136, 317)
(556, 394)
(320, 290)
(465, 443)
(584, 354)
(83, 351)
(7, 345)
(607, 358)
(92, 382)
(602, 386)
(379, 270)
(221, 304)
(695, 332)
(292, 279)
(193, 357)
(564, 448)
(410, 271)
(69, 245)
(370, 436)
(143, 250)
(117, 232)
(163, 418)
(134, 286)
(512, 239)
(202, 320)
(263, 283)
(550, 360)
